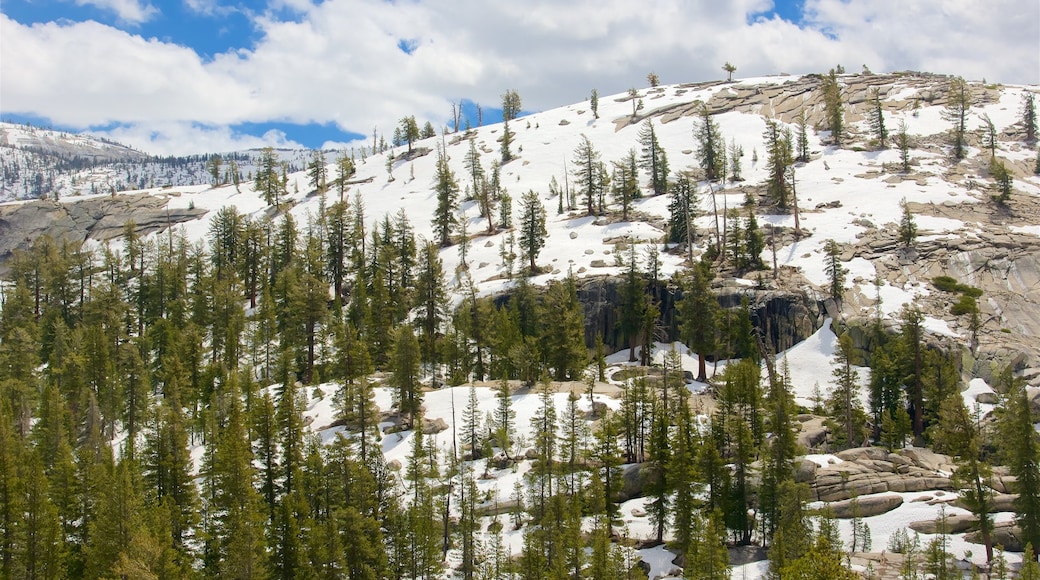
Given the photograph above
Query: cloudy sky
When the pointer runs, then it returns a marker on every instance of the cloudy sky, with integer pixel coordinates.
(188, 76)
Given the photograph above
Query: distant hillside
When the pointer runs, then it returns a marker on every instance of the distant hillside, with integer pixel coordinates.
(42, 163)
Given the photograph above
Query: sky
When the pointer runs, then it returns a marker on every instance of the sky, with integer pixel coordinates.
(176, 77)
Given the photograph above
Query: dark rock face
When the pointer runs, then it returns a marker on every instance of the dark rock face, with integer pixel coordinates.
(99, 218)
(784, 318)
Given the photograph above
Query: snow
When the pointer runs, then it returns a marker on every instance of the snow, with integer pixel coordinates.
(975, 388)
(587, 246)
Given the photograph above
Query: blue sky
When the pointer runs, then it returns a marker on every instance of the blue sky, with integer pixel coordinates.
(172, 76)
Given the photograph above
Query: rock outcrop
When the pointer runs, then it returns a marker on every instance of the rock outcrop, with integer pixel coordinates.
(870, 470)
(97, 218)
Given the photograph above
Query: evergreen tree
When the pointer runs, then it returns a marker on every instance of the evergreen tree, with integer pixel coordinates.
(903, 142)
(409, 130)
(405, 377)
(833, 106)
(344, 169)
(431, 300)
(834, 270)
(711, 147)
(268, 181)
(511, 105)
(958, 436)
(632, 304)
(652, 158)
(594, 103)
(1002, 178)
(847, 418)
(707, 557)
(532, 228)
(698, 310)
(730, 69)
(735, 153)
(447, 190)
(626, 186)
(913, 363)
(877, 118)
(682, 210)
(958, 104)
(778, 149)
(317, 171)
(586, 162)
(803, 136)
(563, 334)
(907, 226)
(1029, 117)
(1021, 450)
(238, 529)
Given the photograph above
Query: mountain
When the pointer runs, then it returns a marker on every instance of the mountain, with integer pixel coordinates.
(849, 208)
(44, 163)
(850, 195)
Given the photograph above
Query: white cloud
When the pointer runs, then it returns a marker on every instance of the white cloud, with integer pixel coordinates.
(171, 138)
(129, 11)
(339, 61)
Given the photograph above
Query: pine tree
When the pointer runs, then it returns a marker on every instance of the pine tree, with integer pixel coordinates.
(586, 162)
(1002, 178)
(730, 69)
(778, 148)
(431, 302)
(707, 557)
(834, 270)
(11, 496)
(447, 190)
(958, 436)
(409, 131)
(626, 186)
(594, 103)
(877, 118)
(239, 522)
(511, 105)
(405, 377)
(682, 211)
(958, 104)
(1029, 117)
(907, 225)
(1021, 449)
(711, 147)
(848, 420)
(903, 142)
(632, 304)
(317, 171)
(268, 181)
(834, 108)
(803, 136)
(698, 310)
(563, 334)
(532, 228)
(653, 158)
(735, 153)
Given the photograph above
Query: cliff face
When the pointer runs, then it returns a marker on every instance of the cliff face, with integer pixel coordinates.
(784, 317)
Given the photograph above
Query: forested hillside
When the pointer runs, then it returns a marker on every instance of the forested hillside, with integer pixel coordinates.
(390, 364)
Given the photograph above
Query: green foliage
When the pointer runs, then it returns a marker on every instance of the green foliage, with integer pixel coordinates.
(532, 228)
(834, 108)
(780, 157)
(958, 105)
(711, 146)
(907, 225)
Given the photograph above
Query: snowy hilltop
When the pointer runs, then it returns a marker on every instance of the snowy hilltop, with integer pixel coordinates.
(783, 325)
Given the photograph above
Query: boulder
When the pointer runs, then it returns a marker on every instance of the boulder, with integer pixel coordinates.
(955, 524)
(865, 507)
(805, 472)
(1005, 534)
(632, 481)
(433, 426)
